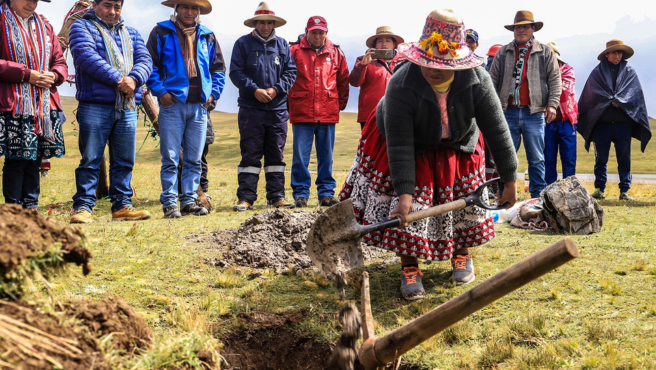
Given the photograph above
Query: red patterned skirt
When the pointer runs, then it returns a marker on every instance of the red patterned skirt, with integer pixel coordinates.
(442, 176)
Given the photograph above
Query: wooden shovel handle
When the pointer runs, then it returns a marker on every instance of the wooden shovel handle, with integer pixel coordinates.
(437, 210)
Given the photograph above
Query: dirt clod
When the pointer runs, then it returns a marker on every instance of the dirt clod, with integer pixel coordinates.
(345, 354)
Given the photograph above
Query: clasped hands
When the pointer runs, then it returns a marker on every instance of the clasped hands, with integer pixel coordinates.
(126, 86)
(44, 80)
(265, 95)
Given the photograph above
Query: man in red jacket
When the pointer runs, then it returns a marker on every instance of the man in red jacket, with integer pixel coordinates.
(320, 92)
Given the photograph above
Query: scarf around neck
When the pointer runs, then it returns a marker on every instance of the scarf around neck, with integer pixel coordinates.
(31, 48)
(520, 70)
(189, 54)
(271, 36)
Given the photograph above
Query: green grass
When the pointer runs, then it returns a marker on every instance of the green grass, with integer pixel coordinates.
(597, 312)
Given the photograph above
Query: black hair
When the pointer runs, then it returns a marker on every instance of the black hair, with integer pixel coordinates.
(100, 1)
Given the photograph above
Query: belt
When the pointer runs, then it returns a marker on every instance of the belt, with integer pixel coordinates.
(521, 106)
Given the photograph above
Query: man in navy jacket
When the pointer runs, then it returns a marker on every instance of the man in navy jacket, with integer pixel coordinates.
(264, 71)
(111, 64)
(188, 76)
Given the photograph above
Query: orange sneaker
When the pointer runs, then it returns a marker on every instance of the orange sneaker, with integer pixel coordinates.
(130, 214)
(463, 269)
(411, 286)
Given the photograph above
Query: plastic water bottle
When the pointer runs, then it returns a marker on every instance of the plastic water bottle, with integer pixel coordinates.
(500, 216)
(526, 182)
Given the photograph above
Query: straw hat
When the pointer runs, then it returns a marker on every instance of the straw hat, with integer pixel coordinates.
(524, 17)
(204, 5)
(263, 13)
(442, 44)
(553, 46)
(383, 31)
(614, 45)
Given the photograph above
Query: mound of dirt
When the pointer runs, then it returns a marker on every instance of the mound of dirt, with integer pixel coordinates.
(34, 340)
(274, 239)
(112, 316)
(26, 233)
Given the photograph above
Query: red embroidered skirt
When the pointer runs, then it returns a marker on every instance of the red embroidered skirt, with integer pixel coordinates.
(442, 176)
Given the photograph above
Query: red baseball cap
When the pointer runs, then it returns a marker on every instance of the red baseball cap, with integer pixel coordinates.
(317, 23)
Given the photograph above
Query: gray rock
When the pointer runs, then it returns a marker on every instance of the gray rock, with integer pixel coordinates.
(571, 209)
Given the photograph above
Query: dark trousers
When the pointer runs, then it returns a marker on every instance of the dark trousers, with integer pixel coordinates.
(559, 136)
(204, 182)
(20, 182)
(262, 134)
(620, 135)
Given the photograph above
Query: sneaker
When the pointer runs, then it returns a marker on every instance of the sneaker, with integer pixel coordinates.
(300, 202)
(463, 269)
(626, 196)
(242, 206)
(598, 194)
(172, 212)
(194, 209)
(44, 173)
(280, 203)
(411, 287)
(328, 201)
(81, 216)
(130, 214)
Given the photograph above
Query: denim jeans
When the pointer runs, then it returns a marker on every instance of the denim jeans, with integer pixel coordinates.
(619, 134)
(21, 182)
(181, 125)
(304, 135)
(559, 136)
(531, 127)
(100, 124)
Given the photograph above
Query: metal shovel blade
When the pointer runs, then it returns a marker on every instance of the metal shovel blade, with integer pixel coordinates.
(334, 241)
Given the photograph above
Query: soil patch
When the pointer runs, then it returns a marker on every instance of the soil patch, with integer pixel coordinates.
(54, 345)
(273, 239)
(112, 316)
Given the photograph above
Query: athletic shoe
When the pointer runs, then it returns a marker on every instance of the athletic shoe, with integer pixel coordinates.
(130, 214)
(172, 212)
(626, 196)
(328, 201)
(242, 206)
(280, 203)
(598, 194)
(411, 287)
(81, 216)
(300, 202)
(194, 210)
(463, 269)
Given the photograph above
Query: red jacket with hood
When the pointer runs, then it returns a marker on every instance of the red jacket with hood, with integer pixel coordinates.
(372, 80)
(12, 73)
(321, 89)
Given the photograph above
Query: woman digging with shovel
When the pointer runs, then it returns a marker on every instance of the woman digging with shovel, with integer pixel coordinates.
(423, 148)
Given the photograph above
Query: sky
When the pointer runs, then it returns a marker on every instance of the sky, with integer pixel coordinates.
(580, 28)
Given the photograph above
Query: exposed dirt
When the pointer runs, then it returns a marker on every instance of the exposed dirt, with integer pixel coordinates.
(272, 239)
(26, 233)
(112, 316)
(80, 352)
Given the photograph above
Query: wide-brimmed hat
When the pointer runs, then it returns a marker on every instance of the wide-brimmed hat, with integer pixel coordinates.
(524, 17)
(553, 47)
(383, 31)
(204, 5)
(614, 45)
(263, 13)
(442, 44)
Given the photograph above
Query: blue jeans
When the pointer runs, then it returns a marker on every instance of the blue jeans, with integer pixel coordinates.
(181, 125)
(619, 134)
(100, 124)
(559, 135)
(530, 126)
(304, 135)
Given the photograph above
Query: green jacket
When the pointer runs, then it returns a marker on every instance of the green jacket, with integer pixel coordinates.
(409, 118)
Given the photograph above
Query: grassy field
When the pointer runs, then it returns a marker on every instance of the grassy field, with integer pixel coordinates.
(597, 312)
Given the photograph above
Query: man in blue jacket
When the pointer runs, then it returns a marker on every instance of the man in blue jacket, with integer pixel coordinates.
(111, 64)
(264, 71)
(188, 75)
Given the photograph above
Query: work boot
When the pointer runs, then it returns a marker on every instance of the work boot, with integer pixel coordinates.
(242, 206)
(301, 202)
(81, 216)
(328, 201)
(411, 287)
(625, 196)
(130, 214)
(194, 209)
(280, 203)
(598, 194)
(463, 269)
(172, 212)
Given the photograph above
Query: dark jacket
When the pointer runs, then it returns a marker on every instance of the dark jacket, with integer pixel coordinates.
(95, 78)
(258, 65)
(321, 89)
(601, 91)
(209, 137)
(169, 70)
(372, 80)
(12, 73)
(409, 119)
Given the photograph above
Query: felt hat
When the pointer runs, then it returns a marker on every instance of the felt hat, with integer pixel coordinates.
(383, 31)
(264, 13)
(442, 44)
(614, 45)
(493, 50)
(204, 5)
(553, 47)
(524, 17)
